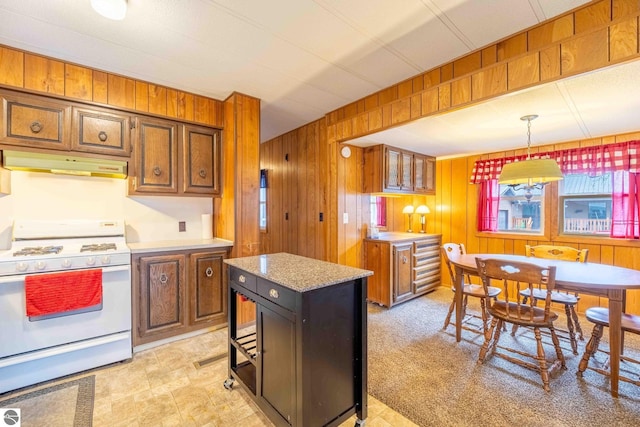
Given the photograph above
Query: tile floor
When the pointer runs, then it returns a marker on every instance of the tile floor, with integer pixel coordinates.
(163, 386)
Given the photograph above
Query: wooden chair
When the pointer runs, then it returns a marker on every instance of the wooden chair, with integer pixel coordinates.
(599, 316)
(469, 289)
(568, 300)
(509, 308)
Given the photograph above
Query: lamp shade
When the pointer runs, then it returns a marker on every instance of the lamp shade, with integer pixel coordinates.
(530, 172)
(422, 209)
(112, 9)
(408, 209)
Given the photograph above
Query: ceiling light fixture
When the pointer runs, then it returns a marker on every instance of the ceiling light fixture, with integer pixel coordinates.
(112, 9)
(530, 173)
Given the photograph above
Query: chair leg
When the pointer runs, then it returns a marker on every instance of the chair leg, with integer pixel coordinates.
(572, 335)
(496, 336)
(447, 319)
(556, 345)
(483, 310)
(487, 339)
(542, 360)
(590, 349)
(576, 321)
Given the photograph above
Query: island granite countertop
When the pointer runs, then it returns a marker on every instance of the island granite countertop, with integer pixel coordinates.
(296, 272)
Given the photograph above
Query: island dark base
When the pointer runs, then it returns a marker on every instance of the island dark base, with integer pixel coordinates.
(306, 363)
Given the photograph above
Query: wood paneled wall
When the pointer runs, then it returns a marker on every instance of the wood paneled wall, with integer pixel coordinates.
(47, 76)
(297, 165)
(597, 35)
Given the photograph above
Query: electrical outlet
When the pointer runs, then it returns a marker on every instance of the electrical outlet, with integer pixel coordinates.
(182, 226)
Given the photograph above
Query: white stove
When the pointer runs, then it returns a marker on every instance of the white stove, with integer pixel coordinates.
(46, 246)
(54, 258)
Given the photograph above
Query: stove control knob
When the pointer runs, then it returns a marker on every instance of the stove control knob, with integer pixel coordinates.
(66, 263)
(91, 261)
(40, 265)
(106, 259)
(22, 266)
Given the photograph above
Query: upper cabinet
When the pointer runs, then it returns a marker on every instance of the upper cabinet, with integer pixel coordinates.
(101, 131)
(201, 160)
(155, 157)
(393, 170)
(158, 146)
(35, 122)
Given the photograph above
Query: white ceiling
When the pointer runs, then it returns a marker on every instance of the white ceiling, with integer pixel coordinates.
(305, 58)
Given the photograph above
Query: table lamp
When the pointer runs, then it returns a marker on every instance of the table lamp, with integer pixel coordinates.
(422, 210)
(409, 211)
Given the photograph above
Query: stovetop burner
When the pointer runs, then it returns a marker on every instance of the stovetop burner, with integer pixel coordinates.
(98, 247)
(38, 250)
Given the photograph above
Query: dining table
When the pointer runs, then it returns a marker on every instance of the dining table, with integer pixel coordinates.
(586, 278)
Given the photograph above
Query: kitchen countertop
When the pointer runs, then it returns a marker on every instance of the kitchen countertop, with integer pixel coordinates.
(296, 272)
(395, 237)
(178, 245)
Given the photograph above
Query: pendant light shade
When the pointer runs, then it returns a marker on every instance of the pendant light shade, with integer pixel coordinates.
(530, 172)
(112, 9)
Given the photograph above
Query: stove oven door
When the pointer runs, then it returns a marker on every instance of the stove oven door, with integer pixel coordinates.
(19, 334)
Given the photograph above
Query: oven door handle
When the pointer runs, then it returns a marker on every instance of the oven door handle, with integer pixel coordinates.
(21, 277)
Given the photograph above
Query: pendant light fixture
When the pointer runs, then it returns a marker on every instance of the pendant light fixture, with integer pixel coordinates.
(530, 173)
(112, 9)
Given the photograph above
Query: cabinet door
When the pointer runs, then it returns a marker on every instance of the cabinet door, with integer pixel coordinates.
(31, 121)
(430, 175)
(156, 157)
(402, 285)
(406, 182)
(162, 294)
(201, 160)
(277, 360)
(207, 288)
(393, 167)
(101, 132)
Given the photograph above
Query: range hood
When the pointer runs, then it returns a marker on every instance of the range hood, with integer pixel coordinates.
(66, 165)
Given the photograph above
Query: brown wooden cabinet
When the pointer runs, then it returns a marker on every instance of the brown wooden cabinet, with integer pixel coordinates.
(35, 122)
(201, 160)
(155, 157)
(101, 131)
(404, 266)
(158, 146)
(392, 170)
(178, 292)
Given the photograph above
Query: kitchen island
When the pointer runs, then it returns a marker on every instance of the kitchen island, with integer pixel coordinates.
(304, 362)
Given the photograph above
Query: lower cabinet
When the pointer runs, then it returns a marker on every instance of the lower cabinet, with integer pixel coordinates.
(177, 292)
(403, 267)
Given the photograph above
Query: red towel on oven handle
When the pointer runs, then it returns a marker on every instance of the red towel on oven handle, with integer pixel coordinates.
(59, 292)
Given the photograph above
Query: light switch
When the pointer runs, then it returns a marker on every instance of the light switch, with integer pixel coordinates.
(345, 218)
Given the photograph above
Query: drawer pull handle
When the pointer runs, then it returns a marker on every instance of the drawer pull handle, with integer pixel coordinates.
(36, 127)
(102, 136)
(202, 173)
(273, 293)
(209, 272)
(242, 279)
(163, 278)
(157, 171)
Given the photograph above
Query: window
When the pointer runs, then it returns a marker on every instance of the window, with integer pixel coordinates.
(520, 209)
(378, 211)
(585, 204)
(263, 200)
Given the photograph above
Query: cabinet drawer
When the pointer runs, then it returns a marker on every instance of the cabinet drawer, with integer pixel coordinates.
(33, 122)
(100, 131)
(277, 294)
(243, 279)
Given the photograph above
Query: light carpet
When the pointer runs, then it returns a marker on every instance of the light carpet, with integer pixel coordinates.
(418, 369)
(68, 404)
